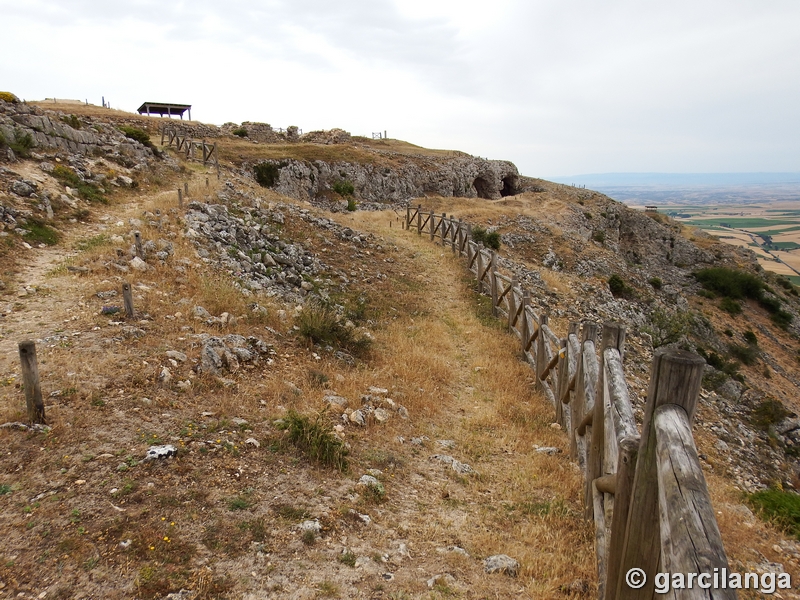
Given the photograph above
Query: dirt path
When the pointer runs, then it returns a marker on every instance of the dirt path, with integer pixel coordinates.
(119, 529)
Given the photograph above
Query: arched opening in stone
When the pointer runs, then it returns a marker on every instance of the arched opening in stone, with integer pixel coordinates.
(509, 185)
(483, 188)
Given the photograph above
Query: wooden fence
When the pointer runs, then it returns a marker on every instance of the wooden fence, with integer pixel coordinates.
(183, 143)
(645, 492)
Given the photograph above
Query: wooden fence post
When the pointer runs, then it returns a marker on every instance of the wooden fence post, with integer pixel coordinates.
(493, 282)
(512, 305)
(541, 354)
(578, 410)
(186, 189)
(180, 198)
(468, 237)
(524, 330)
(30, 382)
(479, 268)
(419, 219)
(137, 239)
(127, 298)
(408, 215)
(433, 225)
(442, 228)
(613, 337)
(562, 411)
(675, 378)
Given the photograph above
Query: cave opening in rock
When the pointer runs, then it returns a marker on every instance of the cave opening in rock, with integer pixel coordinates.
(509, 186)
(483, 188)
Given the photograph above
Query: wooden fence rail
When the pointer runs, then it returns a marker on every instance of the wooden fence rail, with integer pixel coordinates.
(183, 143)
(644, 491)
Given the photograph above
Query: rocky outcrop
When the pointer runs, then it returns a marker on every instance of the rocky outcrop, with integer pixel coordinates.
(47, 130)
(403, 178)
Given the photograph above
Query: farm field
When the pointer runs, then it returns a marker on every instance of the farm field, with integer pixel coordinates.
(770, 229)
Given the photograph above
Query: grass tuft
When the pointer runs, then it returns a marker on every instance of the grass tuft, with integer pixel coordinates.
(779, 507)
(316, 439)
(321, 325)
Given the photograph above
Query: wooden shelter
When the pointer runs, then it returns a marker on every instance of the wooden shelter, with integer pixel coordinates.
(164, 108)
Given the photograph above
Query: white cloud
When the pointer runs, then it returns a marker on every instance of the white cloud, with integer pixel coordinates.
(557, 87)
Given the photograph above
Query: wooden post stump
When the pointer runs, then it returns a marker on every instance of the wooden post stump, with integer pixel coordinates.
(137, 239)
(30, 382)
(127, 298)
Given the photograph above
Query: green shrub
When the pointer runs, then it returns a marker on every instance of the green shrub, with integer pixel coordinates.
(737, 285)
(72, 121)
(139, 135)
(599, 236)
(492, 240)
(21, 145)
(782, 319)
(618, 287)
(240, 131)
(730, 283)
(768, 413)
(344, 187)
(728, 332)
(348, 558)
(746, 354)
(316, 439)
(351, 204)
(779, 507)
(655, 282)
(5, 489)
(666, 328)
(266, 174)
(320, 325)
(750, 337)
(87, 191)
(8, 97)
(730, 306)
(38, 232)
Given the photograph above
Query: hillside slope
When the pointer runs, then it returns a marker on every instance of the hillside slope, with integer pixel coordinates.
(251, 304)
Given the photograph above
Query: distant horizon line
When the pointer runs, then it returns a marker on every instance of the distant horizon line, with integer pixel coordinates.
(651, 178)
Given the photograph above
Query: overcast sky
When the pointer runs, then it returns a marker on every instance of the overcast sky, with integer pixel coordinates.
(559, 87)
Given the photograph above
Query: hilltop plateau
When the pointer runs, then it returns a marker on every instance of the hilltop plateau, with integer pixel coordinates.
(349, 419)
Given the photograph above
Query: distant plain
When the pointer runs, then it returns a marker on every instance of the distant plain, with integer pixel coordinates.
(760, 212)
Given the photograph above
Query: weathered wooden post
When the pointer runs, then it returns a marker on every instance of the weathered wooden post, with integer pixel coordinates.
(479, 268)
(180, 198)
(562, 407)
(127, 298)
(675, 378)
(613, 337)
(541, 351)
(468, 237)
(186, 189)
(137, 240)
(442, 227)
(408, 215)
(30, 382)
(433, 224)
(493, 282)
(419, 219)
(453, 231)
(589, 333)
(524, 331)
(512, 305)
